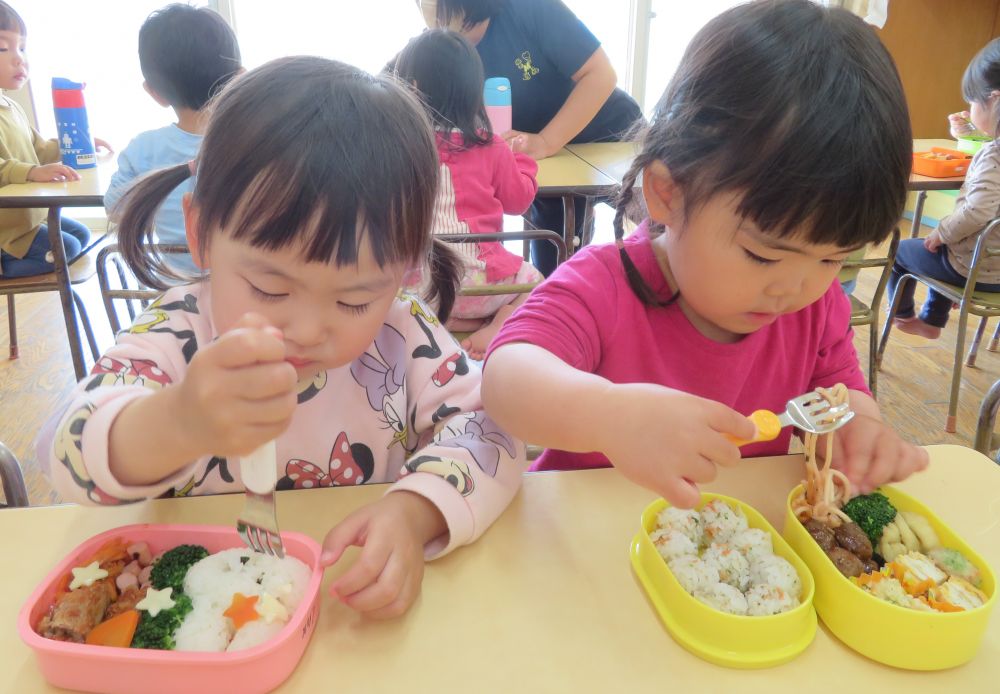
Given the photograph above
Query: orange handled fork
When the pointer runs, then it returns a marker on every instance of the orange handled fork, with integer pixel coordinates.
(810, 412)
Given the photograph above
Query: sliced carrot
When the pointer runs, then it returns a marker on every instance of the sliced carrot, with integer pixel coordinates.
(117, 631)
(242, 610)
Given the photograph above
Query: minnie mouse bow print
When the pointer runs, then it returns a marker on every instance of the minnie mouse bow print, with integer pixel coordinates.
(349, 464)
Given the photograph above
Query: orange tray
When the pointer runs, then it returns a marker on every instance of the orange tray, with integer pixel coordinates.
(941, 168)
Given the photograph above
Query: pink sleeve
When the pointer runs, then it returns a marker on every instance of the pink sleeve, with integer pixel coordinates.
(568, 313)
(513, 177)
(152, 354)
(462, 462)
(837, 360)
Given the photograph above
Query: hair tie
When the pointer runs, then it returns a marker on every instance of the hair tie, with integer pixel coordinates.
(193, 167)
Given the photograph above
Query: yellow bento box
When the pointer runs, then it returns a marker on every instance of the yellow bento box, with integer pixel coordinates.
(884, 632)
(724, 639)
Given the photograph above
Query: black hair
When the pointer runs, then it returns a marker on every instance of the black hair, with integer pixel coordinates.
(472, 12)
(447, 72)
(10, 20)
(307, 151)
(796, 107)
(982, 76)
(187, 54)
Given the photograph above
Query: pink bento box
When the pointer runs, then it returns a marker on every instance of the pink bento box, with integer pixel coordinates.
(129, 670)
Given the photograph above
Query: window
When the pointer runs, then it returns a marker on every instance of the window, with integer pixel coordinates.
(95, 43)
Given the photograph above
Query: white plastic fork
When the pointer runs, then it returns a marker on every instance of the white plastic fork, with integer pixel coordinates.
(258, 523)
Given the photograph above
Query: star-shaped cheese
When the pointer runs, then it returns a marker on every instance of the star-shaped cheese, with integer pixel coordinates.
(86, 575)
(241, 610)
(156, 600)
(271, 609)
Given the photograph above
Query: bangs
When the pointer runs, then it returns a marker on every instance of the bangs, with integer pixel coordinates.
(11, 20)
(357, 162)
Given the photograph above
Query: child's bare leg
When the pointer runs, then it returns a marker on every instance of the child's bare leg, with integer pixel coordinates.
(915, 326)
(477, 343)
(465, 325)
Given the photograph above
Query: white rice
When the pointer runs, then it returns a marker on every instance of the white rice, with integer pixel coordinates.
(777, 572)
(753, 543)
(211, 584)
(721, 521)
(763, 599)
(671, 543)
(693, 573)
(723, 597)
(687, 520)
(732, 566)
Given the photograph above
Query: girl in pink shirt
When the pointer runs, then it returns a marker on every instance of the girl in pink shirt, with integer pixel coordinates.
(480, 178)
(313, 196)
(780, 146)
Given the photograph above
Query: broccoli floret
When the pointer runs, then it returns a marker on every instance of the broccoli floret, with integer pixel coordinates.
(872, 512)
(174, 564)
(158, 632)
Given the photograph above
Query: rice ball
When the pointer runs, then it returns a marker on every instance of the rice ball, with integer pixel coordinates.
(723, 597)
(721, 521)
(763, 599)
(732, 566)
(693, 573)
(254, 633)
(671, 543)
(777, 572)
(203, 630)
(687, 520)
(753, 543)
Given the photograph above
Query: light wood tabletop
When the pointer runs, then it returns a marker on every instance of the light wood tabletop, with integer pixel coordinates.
(87, 192)
(545, 601)
(565, 174)
(613, 159)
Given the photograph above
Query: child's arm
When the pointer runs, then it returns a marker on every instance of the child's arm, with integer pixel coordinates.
(980, 203)
(460, 473)
(513, 178)
(121, 181)
(662, 439)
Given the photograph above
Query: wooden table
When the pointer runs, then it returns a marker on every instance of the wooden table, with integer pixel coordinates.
(545, 601)
(87, 192)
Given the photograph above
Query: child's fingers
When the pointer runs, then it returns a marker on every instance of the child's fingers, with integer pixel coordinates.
(726, 420)
(406, 597)
(244, 346)
(366, 569)
(347, 533)
(263, 381)
(699, 469)
(720, 450)
(884, 457)
(680, 492)
(384, 591)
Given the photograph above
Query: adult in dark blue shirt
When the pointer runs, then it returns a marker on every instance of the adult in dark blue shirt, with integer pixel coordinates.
(562, 84)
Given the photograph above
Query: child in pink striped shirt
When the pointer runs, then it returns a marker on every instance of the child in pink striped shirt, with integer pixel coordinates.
(480, 178)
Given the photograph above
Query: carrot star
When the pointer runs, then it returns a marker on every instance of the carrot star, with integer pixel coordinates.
(242, 610)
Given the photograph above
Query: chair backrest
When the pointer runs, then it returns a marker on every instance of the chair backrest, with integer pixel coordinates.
(122, 287)
(862, 314)
(14, 491)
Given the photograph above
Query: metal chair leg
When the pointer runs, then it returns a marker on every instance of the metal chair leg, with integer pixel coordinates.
(970, 359)
(891, 316)
(14, 491)
(12, 327)
(87, 327)
(995, 342)
(987, 419)
(956, 374)
(918, 213)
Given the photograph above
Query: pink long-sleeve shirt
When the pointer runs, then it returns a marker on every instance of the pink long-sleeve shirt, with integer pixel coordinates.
(478, 184)
(407, 411)
(587, 315)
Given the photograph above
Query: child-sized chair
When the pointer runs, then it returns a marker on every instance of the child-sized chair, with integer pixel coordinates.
(119, 285)
(983, 304)
(14, 492)
(867, 314)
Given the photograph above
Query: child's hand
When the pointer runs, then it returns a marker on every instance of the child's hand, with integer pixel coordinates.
(871, 453)
(933, 241)
(960, 124)
(238, 393)
(103, 144)
(669, 441)
(534, 145)
(46, 173)
(385, 578)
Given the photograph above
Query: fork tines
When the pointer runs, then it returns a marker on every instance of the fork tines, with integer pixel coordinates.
(258, 525)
